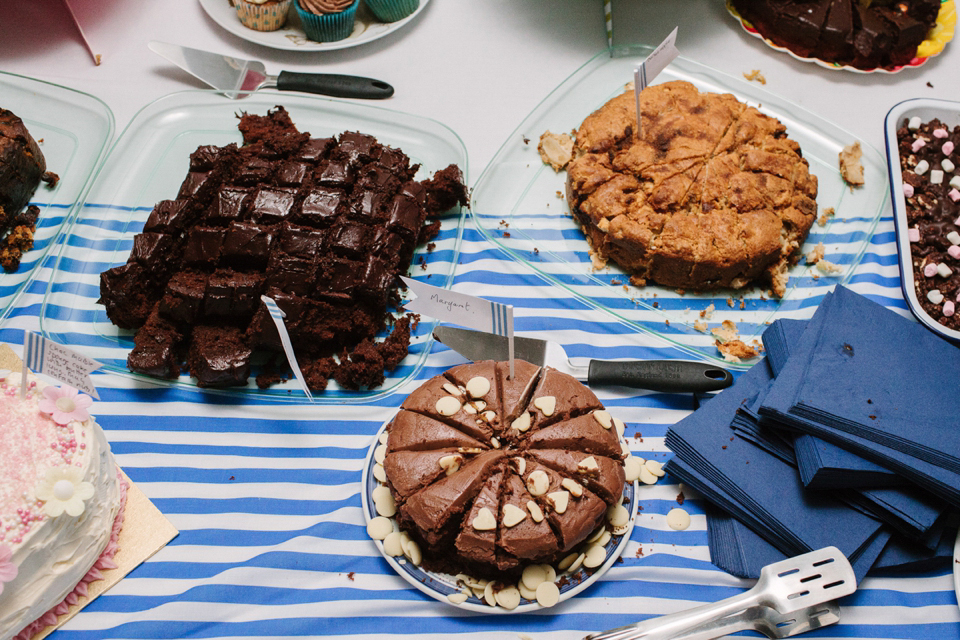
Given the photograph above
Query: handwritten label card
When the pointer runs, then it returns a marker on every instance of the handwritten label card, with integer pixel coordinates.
(650, 68)
(57, 361)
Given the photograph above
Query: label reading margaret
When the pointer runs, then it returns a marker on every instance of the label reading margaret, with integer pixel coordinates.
(460, 308)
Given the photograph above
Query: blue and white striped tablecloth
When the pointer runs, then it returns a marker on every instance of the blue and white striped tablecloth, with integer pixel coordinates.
(266, 496)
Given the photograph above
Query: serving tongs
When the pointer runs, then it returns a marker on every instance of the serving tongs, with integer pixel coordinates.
(792, 596)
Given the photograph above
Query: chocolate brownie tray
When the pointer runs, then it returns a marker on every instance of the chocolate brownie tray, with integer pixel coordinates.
(519, 203)
(72, 129)
(149, 164)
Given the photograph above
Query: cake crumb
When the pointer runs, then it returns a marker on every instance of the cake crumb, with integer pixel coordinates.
(707, 313)
(851, 168)
(755, 76)
(730, 302)
(736, 350)
(816, 254)
(825, 216)
(556, 149)
(827, 267)
(351, 575)
(700, 326)
(726, 332)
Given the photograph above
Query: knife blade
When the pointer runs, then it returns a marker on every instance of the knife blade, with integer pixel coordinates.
(669, 376)
(235, 76)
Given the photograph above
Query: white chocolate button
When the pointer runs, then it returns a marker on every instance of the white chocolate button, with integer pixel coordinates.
(535, 512)
(603, 417)
(451, 389)
(574, 487)
(597, 533)
(548, 594)
(471, 409)
(528, 594)
(646, 477)
(559, 500)
(513, 515)
(412, 551)
(621, 427)
(508, 598)
(448, 405)
(477, 387)
(379, 473)
(594, 556)
(379, 528)
(577, 562)
(458, 598)
(587, 465)
(605, 537)
(385, 506)
(538, 482)
(522, 423)
(533, 576)
(479, 405)
(485, 520)
(383, 437)
(494, 443)
(392, 544)
(550, 571)
(619, 531)
(617, 515)
(451, 464)
(380, 453)
(678, 519)
(488, 595)
(631, 468)
(654, 467)
(520, 464)
(624, 449)
(546, 404)
(567, 562)
(489, 417)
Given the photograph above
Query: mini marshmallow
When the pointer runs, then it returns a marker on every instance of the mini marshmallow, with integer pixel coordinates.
(947, 148)
(907, 190)
(944, 271)
(935, 296)
(913, 234)
(947, 165)
(936, 177)
(954, 252)
(921, 167)
(953, 237)
(940, 133)
(930, 269)
(914, 123)
(953, 194)
(949, 308)
(918, 144)
(955, 182)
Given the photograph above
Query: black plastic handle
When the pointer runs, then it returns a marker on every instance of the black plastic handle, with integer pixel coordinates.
(668, 376)
(333, 84)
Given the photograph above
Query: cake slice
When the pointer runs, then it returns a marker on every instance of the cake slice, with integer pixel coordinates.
(411, 431)
(522, 534)
(572, 510)
(410, 471)
(604, 476)
(586, 433)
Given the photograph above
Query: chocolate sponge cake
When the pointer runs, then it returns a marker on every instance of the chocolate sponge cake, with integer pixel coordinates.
(322, 225)
(490, 473)
(710, 193)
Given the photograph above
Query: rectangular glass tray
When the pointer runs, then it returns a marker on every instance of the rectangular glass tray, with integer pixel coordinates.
(72, 129)
(518, 203)
(148, 164)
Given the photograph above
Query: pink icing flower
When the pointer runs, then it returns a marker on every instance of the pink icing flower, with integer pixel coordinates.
(8, 570)
(65, 404)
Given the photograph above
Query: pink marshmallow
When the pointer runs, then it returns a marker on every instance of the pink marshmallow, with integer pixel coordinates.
(930, 270)
(919, 143)
(954, 251)
(940, 133)
(949, 308)
(913, 234)
(907, 190)
(947, 148)
(953, 194)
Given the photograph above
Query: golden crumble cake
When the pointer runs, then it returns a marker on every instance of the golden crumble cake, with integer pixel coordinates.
(712, 193)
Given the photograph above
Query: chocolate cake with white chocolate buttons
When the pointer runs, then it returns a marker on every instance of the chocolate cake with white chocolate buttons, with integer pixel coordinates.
(490, 474)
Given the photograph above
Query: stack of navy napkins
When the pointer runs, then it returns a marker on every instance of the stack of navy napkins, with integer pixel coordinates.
(846, 434)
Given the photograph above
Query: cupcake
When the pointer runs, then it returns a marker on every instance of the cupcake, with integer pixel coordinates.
(262, 15)
(392, 10)
(327, 20)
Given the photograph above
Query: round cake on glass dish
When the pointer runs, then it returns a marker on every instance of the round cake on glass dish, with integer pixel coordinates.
(491, 474)
(709, 194)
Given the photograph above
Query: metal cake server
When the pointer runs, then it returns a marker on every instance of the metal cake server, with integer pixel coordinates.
(792, 596)
(670, 376)
(234, 76)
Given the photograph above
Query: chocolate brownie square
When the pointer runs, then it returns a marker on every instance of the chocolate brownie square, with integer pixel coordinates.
(182, 302)
(168, 216)
(322, 207)
(203, 246)
(219, 356)
(272, 205)
(247, 245)
(229, 205)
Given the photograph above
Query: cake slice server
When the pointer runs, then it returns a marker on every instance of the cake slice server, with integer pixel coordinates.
(234, 76)
(792, 596)
(669, 376)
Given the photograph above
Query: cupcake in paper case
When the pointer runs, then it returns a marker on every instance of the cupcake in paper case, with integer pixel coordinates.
(392, 10)
(262, 15)
(327, 20)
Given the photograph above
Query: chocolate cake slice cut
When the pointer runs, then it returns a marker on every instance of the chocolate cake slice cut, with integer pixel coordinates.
(411, 471)
(559, 396)
(412, 431)
(515, 392)
(572, 510)
(524, 534)
(443, 400)
(602, 475)
(477, 540)
(593, 432)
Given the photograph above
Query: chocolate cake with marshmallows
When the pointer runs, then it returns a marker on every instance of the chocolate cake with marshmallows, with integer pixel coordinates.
(490, 474)
(321, 225)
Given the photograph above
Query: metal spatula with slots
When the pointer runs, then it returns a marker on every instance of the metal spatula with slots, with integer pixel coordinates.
(792, 596)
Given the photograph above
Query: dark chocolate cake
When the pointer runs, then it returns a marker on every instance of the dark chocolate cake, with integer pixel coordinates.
(22, 167)
(929, 159)
(866, 35)
(490, 474)
(322, 225)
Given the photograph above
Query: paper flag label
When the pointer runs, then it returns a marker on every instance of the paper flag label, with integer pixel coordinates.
(57, 361)
(277, 315)
(460, 308)
(651, 68)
